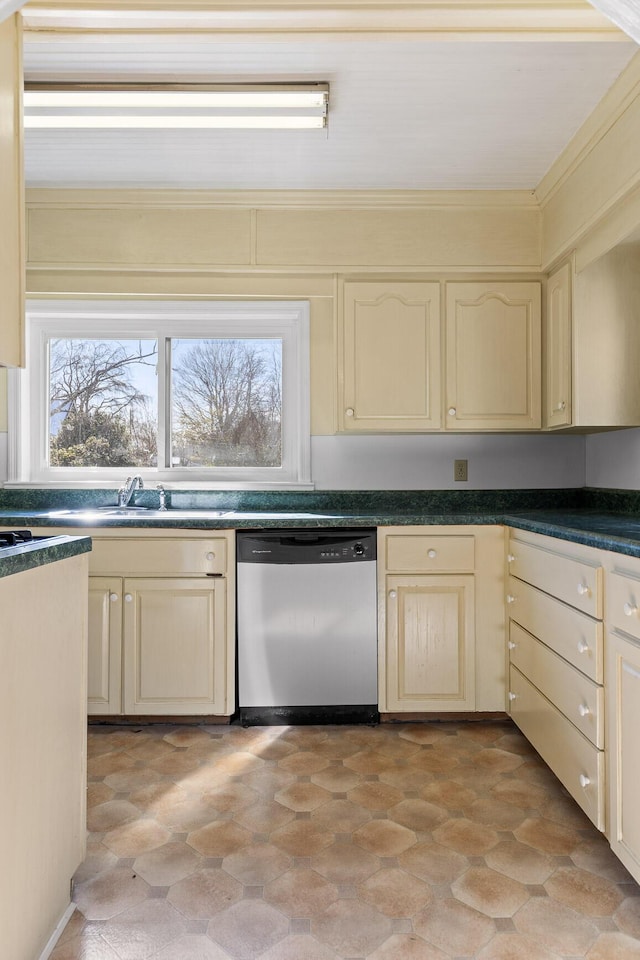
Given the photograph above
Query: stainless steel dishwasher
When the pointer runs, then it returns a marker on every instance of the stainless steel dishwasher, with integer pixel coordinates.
(307, 626)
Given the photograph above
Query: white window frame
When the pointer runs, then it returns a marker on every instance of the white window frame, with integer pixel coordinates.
(151, 319)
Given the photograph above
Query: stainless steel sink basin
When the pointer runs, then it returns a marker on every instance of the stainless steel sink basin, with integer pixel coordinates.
(136, 513)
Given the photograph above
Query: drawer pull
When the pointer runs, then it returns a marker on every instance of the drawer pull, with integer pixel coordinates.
(211, 556)
(432, 554)
(583, 647)
(349, 412)
(583, 710)
(510, 598)
(512, 645)
(630, 609)
(128, 597)
(113, 597)
(584, 781)
(392, 594)
(583, 590)
(510, 557)
(512, 696)
(452, 411)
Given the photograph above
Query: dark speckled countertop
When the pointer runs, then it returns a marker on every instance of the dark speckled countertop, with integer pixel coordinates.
(25, 556)
(607, 519)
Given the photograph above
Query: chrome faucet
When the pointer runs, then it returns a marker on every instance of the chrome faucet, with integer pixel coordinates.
(126, 492)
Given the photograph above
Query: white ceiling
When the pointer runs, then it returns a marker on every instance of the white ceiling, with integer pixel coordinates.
(408, 113)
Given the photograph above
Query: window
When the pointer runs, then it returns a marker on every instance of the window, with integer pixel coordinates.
(177, 391)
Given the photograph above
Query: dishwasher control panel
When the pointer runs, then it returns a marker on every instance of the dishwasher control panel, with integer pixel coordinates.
(306, 546)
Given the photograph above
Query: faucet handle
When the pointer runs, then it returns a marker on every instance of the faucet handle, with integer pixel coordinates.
(162, 494)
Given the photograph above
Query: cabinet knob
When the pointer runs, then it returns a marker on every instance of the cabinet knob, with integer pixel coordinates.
(511, 598)
(510, 557)
(583, 710)
(392, 594)
(349, 412)
(511, 645)
(512, 696)
(583, 590)
(584, 780)
(211, 556)
(583, 647)
(432, 554)
(452, 411)
(113, 597)
(630, 609)
(559, 406)
(128, 597)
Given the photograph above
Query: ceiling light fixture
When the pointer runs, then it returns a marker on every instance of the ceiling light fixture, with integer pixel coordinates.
(161, 106)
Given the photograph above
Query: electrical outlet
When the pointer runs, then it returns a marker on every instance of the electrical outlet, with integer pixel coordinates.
(459, 469)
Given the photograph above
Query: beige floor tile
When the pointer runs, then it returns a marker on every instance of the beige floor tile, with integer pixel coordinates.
(584, 891)
(614, 946)
(434, 841)
(136, 837)
(627, 916)
(468, 838)
(384, 838)
(453, 927)
(351, 928)
(219, 839)
(257, 864)
(300, 893)
(300, 947)
(548, 836)
(520, 862)
(512, 946)
(418, 815)
(490, 892)
(395, 892)
(140, 932)
(433, 862)
(110, 893)
(345, 862)
(192, 947)
(556, 926)
(248, 928)
(204, 893)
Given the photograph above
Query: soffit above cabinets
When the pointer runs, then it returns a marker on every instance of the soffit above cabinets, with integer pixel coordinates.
(406, 111)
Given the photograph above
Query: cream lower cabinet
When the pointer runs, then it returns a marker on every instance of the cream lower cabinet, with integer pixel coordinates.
(162, 633)
(433, 634)
(105, 646)
(623, 710)
(555, 644)
(173, 629)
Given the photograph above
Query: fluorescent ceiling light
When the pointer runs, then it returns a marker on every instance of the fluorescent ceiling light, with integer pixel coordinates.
(184, 106)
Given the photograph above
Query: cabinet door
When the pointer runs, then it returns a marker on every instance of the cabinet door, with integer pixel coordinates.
(623, 723)
(493, 356)
(391, 356)
(12, 254)
(557, 349)
(430, 643)
(105, 645)
(174, 646)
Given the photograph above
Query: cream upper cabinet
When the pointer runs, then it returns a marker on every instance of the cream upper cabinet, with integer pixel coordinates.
(390, 369)
(12, 243)
(493, 340)
(557, 349)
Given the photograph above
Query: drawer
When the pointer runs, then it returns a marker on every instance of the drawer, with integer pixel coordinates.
(572, 581)
(574, 759)
(581, 700)
(159, 556)
(575, 636)
(425, 554)
(623, 603)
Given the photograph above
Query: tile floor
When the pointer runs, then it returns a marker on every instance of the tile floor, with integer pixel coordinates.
(414, 842)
